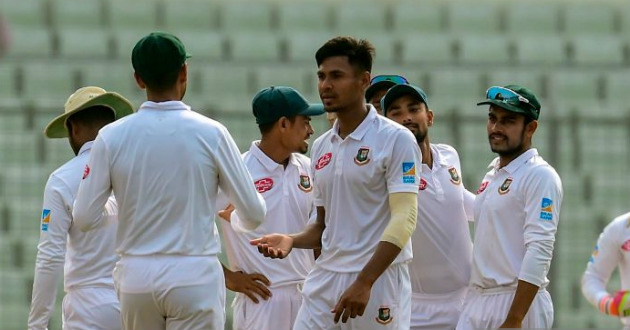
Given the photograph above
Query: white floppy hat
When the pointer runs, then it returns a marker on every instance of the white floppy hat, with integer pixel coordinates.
(82, 99)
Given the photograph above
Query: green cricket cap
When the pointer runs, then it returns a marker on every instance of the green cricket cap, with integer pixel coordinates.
(157, 54)
(272, 103)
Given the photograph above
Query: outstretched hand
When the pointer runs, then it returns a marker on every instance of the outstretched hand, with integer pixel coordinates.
(275, 246)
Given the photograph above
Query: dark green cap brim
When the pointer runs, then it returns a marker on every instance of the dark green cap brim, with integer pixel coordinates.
(509, 107)
(313, 109)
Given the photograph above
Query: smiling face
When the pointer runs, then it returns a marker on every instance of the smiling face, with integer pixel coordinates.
(340, 84)
(412, 113)
(509, 133)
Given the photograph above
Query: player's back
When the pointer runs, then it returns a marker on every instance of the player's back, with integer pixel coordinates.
(164, 163)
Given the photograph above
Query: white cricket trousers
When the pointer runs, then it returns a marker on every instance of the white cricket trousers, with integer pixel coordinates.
(91, 308)
(488, 308)
(389, 307)
(436, 311)
(163, 292)
(276, 313)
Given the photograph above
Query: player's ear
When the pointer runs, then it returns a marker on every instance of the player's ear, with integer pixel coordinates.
(139, 81)
(183, 73)
(430, 117)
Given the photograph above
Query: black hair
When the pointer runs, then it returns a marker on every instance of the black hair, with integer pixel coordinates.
(162, 81)
(360, 52)
(266, 128)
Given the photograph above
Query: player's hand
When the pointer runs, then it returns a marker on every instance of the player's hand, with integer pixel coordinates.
(227, 213)
(274, 245)
(249, 284)
(352, 302)
(617, 304)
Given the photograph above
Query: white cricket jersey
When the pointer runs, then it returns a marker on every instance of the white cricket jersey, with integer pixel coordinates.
(612, 251)
(165, 164)
(516, 216)
(442, 249)
(352, 179)
(288, 194)
(89, 257)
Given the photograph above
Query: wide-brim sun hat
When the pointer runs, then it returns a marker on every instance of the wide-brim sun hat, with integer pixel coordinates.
(84, 98)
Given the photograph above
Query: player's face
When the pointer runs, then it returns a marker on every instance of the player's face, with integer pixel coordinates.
(413, 114)
(340, 85)
(73, 136)
(376, 100)
(297, 134)
(507, 133)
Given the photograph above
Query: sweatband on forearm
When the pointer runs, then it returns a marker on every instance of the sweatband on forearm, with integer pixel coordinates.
(404, 211)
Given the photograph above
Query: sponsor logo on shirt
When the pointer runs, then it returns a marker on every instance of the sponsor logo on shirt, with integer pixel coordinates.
(546, 209)
(362, 156)
(86, 172)
(384, 316)
(305, 183)
(482, 187)
(505, 186)
(264, 185)
(626, 245)
(409, 172)
(45, 219)
(323, 161)
(455, 178)
(594, 254)
(423, 184)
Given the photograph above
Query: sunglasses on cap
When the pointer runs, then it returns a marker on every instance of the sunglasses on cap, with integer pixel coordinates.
(399, 80)
(505, 95)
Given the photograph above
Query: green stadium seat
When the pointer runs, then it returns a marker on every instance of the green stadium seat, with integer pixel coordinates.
(304, 16)
(18, 147)
(602, 50)
(473, 17)
(540, 18)
(202, 45)
(525, 77)
(284, 75)
(191, 15)
(589, 18)
(26, 13)
(51, 81)
(418, 17)
(13, 314)
(8, 72)
(545, 50)
(361, 17)
(24, 181)
(574, 87)
(30, 43)
(624, 13)
(125, 40)
(220, 83)
(617, 87)
(25, 214)
(254, 47)
(116, 77)
(301, 46)
(142, 15)
(246, 16)
(428, 48)
(455, 88)
(77, 14)
(93, 44)
(480, 49)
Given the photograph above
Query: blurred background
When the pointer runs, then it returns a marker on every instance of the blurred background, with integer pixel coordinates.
(574, 54)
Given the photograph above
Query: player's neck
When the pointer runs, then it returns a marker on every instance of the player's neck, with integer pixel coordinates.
(275, 151)
(164, 96)
(427, 156)
(350, 118)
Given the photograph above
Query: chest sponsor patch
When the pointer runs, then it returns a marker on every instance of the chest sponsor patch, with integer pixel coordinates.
(323, 161)
(86, 172)
(423, 184)
(305, 183)
(626, 245)
(263, 185)
(455, 178)
(504, 188)
(45, 219)
(362, 156)
(546, 209)
(482, 187)
(409, 172)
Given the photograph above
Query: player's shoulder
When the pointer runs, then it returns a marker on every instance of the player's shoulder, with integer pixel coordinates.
(303, 160)
(446, 150)
(539, 167)
(620, 223)
(326, 136)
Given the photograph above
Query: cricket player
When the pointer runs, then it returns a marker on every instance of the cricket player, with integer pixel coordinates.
(612, 251)
(516, 215)
(379, 86)
(165, 164)
(90, 302)
(366, 185)
(442, 249)
(282, 175)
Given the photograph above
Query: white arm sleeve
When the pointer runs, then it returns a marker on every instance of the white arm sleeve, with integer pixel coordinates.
(606, 256)
(94, 190)
(469, 203)
(51, 252)
(236, 182)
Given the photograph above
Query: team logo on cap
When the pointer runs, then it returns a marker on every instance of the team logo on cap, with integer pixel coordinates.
(323, 161)
(626, 245)
(505, 186)
(482, 187)
(86, 172)
(455, 178)
(362, 156)
(264, 185)
(423, 184)
(546, 209)
(305, 183)
(384, 316)
(45, 219)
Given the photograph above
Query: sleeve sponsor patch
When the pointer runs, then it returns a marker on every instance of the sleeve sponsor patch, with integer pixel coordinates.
(594, 254)
(546, 209)
(45, 219)
(409, 172)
